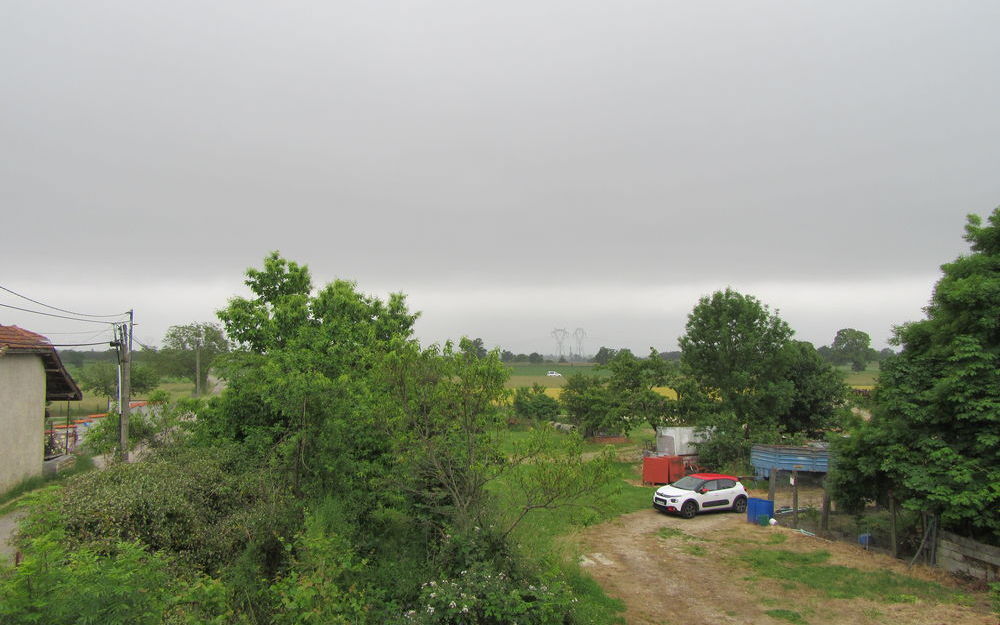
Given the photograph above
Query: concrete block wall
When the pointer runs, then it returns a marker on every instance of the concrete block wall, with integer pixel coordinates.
(22, 418)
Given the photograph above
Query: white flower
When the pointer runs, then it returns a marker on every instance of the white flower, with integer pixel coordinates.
(430, 609)
(465, 608)
(433, 594)
(452, 605)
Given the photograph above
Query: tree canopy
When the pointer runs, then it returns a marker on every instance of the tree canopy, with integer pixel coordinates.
(934, 438)
(101, 378)
(189, 351)
(604, 355)
(747, 380)
(852, 347)
(731, 346)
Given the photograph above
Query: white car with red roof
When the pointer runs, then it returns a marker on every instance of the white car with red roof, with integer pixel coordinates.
(700, 492)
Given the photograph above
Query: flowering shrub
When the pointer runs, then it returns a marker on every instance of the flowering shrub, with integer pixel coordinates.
(483, 596)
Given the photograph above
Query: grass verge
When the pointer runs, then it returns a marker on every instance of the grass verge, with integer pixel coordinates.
(9, 499)
(841, 582)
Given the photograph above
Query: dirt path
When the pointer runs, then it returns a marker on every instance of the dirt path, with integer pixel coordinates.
(668, 570)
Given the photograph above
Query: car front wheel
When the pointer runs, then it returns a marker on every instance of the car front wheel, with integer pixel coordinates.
(740, 505)
(689, 509)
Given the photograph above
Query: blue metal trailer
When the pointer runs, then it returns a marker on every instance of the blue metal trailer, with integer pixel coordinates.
(814, 458)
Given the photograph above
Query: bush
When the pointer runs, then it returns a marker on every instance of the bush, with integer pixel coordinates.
(533, 403)
(56, 585)
(591, 407)
(317, 588)
(155, 428)
(482, 594)
(197, 504)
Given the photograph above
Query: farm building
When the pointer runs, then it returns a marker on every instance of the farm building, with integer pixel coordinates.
(31, 373)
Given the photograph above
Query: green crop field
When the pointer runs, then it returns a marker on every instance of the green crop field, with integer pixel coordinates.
(864, 379)
(526, 374)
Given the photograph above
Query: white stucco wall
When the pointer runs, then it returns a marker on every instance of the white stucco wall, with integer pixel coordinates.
(22, 412)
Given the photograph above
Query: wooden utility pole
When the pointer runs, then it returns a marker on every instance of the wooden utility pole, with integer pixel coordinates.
(126, 389)
(772, 483)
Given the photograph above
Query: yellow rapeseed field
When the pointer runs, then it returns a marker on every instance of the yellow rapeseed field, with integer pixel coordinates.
(662, 390)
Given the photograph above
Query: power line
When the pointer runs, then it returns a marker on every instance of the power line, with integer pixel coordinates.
(143, 345)
(68, 312)
(38, 312)
(17, 344)
(90, 332)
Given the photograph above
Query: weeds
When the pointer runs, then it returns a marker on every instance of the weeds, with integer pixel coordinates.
(695, 550)
(671, 532)
(787, 615)
(841, 582)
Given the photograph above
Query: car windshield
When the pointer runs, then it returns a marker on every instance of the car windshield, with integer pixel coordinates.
(688, 483)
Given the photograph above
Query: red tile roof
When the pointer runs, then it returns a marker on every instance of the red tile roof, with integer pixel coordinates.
(14, 337)
(58, 383)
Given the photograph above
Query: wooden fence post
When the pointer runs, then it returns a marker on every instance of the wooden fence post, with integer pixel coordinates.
(824, 521)
(892, 525)
(795, 499)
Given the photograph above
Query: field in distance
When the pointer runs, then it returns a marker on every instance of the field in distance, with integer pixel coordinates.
(526, 374)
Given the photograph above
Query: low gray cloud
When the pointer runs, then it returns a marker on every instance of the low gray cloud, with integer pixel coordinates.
(564, 162)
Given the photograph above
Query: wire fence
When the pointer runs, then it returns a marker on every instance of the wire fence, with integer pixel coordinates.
(803, 503)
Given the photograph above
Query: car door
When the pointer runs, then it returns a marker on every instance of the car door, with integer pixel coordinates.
(726, 491)
(710, 495)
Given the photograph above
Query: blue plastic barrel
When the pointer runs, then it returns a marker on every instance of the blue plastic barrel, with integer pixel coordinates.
(757, 508)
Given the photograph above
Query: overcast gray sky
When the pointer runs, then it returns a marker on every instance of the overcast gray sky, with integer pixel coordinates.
(514, 166)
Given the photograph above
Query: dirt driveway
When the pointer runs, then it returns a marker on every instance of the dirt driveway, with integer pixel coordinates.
(669, 570)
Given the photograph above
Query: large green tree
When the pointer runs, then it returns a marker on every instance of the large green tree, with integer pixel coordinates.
(819, 393)
(631, 384)
(590, 406)
(934, 437)
(189, 350)
(732, 347)
(604, 355)
(852, 347)
(101, 378)
(301, 377)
